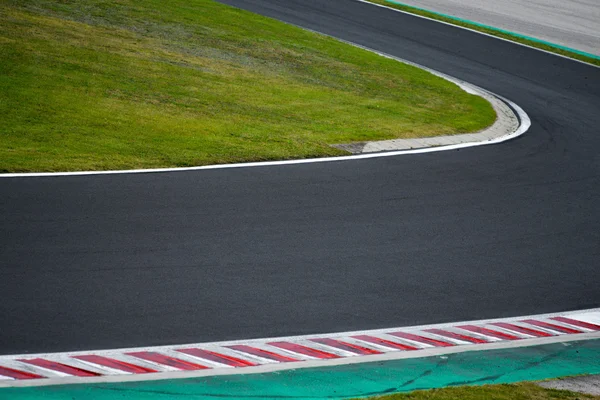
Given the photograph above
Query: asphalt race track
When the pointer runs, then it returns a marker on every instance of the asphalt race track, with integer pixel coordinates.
(110, 261)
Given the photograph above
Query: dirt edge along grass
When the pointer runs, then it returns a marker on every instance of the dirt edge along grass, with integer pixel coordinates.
(518, 391)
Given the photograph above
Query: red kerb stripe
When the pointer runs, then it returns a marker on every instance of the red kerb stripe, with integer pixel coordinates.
(351, 347)
(64, 368)
(522, 329)
(116, 364)
(421, 339)
(457, 336)
(297, 348)
(575, 322)
(217, 357)
(551, 326)
(262, 353)
(14, 373)
(166, 360)
(488, 332)
(384, 342)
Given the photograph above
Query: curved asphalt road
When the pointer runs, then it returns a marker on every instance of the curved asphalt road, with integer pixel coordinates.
(494, 231)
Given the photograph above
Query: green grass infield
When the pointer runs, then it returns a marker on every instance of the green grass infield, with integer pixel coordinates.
(121, 84)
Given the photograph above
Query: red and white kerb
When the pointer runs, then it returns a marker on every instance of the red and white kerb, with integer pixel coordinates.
(298, 349)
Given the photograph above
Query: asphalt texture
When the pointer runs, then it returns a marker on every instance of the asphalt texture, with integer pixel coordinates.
(570, 23)
(110, 261)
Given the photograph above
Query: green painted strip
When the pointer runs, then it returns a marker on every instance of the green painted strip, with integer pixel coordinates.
(492, 28)
(347, 381)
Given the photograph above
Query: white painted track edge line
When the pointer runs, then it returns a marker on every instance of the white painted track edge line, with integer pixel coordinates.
(476, 31)
(524, 125)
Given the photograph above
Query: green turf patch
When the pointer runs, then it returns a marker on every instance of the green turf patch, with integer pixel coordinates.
(581, 56)
(519, 391)
(118, 84)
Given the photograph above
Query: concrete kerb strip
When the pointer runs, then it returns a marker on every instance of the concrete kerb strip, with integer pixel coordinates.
(488, 137)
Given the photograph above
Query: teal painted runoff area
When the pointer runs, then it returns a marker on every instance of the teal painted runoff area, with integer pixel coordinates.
(348, 381)
(518, 35)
